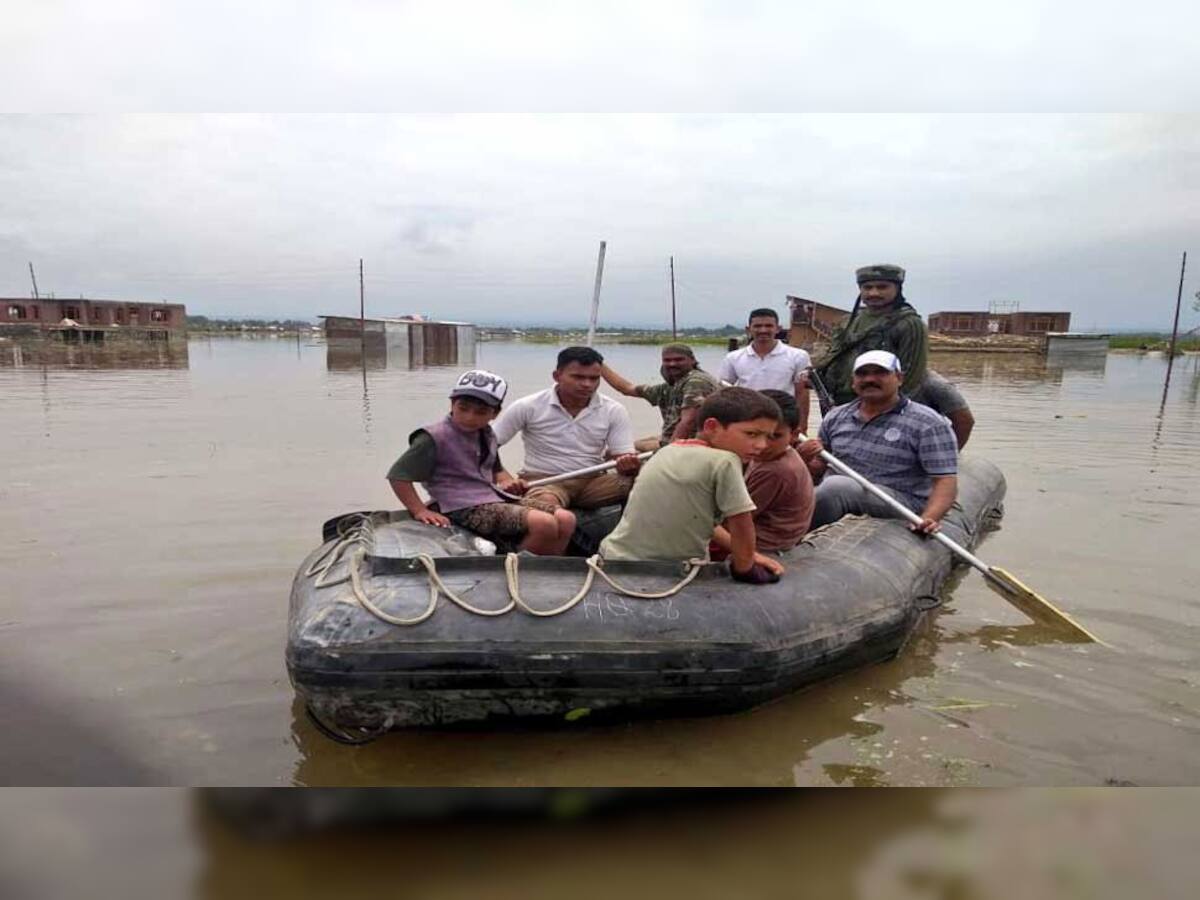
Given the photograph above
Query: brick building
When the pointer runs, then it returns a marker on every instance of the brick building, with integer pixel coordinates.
(812, 321)
(980, 324)
(91, 320)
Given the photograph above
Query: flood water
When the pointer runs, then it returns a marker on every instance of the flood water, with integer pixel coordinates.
(154, 511)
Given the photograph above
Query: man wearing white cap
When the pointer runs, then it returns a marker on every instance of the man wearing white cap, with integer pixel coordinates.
(902, 446)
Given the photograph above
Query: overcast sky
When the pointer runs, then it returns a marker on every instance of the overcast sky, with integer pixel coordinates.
(496, 218)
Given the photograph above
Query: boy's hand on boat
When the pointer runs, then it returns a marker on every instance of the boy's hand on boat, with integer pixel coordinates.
(770, 564)
(756, 574)
(429, 517)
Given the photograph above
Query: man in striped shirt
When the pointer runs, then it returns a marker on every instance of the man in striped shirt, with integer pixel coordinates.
(902, 446)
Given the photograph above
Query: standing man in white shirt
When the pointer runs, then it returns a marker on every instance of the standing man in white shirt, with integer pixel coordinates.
(769, 364)
(567, 427)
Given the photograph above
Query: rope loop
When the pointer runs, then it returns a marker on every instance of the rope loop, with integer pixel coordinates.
(512, 575)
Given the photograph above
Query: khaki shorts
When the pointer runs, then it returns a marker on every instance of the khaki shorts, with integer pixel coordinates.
(507, 522)
(589, 492)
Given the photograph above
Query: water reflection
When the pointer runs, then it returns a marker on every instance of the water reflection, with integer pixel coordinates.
(775, 741)
(995, 368)
(347, 355)
(366, 405)
(598, 844)
(908, 845)
(1092, 364)
(354, 359)
(55, 355)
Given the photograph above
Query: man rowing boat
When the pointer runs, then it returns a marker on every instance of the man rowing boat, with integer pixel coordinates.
(904, 447)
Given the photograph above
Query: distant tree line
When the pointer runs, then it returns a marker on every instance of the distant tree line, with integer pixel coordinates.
(204, 323)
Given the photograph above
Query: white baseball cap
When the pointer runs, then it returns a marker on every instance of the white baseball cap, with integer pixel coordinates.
(880, 358)
(481, 385)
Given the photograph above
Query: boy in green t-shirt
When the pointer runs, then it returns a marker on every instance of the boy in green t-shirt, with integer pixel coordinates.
(691, 486)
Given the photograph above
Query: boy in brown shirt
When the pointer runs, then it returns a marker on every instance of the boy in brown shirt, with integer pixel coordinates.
(780, 486)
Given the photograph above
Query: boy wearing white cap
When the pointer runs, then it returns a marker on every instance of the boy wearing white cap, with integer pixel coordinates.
(458, 461)
(902, 446)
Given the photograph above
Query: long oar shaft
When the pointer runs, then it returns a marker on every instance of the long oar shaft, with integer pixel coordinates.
(580, 473)
(1027, 600)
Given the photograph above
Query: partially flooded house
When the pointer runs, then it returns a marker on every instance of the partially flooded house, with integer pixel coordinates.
(92, 321)
(812, 321)
(402, 341)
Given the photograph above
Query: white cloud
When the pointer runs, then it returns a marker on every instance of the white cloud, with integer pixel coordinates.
(496, 218)
(442, 55)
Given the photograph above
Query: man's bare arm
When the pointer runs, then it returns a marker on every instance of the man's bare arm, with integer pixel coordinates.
(941, 498)
(962, 422)
(687, 425)
(802, 402)
(618, 383)
(741, 541)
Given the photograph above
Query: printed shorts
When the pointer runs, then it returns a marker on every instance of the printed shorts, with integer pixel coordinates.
(506, 522)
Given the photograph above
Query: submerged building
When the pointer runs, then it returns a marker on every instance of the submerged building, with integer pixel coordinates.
(978, 324)
(91, 321)
(813, 321)
(403, 342)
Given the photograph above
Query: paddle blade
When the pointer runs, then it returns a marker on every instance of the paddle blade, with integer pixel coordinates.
(1035, 605)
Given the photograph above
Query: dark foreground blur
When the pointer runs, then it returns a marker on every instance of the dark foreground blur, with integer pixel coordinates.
(559, 842)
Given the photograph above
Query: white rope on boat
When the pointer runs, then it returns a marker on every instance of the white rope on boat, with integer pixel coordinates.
(436, 586)
(595, 565)
(513, 579)
(354, 531)
(351, 530)
(512, 564)
(361, 596)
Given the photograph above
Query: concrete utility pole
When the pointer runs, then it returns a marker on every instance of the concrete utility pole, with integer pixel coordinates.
(33, 278)
(362, 306)
(673, 334)
(596, 295)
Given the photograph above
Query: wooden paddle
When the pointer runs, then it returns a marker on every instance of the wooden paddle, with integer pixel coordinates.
(1011, 588)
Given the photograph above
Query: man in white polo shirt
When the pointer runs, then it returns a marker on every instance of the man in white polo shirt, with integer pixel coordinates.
(769, 364)
(567, 427)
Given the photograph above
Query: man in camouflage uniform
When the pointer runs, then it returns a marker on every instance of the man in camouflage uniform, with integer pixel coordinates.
(679, 396)
(882, 320)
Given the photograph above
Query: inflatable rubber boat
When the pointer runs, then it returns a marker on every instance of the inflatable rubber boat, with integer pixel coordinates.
(396, 624)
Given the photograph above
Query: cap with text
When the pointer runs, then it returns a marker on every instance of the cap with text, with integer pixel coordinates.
(880, 358)
(481, 385)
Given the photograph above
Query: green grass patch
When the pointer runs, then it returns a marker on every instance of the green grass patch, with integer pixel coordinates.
(1153, 341)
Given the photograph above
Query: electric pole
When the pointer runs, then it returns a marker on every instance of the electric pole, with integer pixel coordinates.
(673, 334)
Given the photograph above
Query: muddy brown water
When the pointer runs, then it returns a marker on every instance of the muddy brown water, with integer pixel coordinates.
(155, 505)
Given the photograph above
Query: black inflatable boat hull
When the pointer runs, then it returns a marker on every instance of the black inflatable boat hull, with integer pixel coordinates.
(852, 594)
